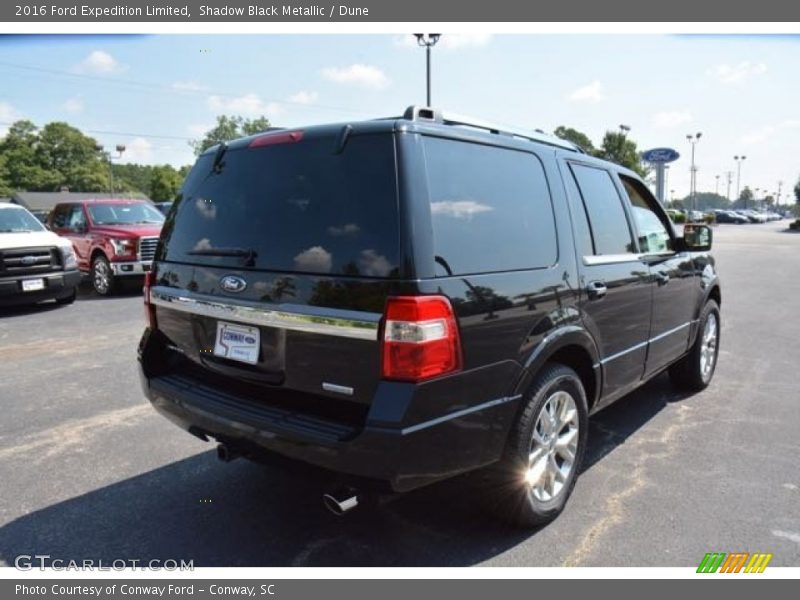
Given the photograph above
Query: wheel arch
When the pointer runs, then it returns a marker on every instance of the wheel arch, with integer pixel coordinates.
(573, 347)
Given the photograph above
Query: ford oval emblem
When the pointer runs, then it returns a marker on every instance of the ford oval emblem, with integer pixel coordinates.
(27, 260)
(232, 283)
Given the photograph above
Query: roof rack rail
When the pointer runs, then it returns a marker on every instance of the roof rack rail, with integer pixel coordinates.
(425, 113)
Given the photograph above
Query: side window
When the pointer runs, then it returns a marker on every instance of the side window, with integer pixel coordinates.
(580, 220)
(607, 220)
(76, 218)
(653, 234)
(60, 216)
(490, 208)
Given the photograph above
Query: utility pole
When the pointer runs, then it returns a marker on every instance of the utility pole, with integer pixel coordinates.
(428, 41)
(693, 140)
(120, 149)
(739, 160)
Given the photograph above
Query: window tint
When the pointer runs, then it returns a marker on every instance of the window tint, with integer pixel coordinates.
(607, 220)
(292, 207)
(653, 234)
(490, 208)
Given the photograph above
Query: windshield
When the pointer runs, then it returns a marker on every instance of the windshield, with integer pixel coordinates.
(128, 213)
(16, 220)
(301, 207)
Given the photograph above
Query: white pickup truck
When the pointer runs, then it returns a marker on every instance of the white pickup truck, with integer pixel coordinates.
(35, 264)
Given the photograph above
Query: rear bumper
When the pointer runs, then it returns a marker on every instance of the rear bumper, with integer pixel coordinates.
(391, 456)
(56, 285)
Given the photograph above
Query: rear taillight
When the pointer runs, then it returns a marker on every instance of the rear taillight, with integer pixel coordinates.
(420, 338)
(149, 309)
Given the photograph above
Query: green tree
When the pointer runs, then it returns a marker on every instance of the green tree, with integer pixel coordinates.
(708, 200)
(164, 183)
(229, 127)
(619, 148)
(745, 199)
(576, 137)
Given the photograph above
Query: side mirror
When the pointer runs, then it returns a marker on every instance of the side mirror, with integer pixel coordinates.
(697, 238)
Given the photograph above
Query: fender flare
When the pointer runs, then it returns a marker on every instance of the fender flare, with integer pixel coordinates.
(557, 339)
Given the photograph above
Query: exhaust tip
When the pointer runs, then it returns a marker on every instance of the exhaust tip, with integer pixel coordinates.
(225, 453)
(339, 504)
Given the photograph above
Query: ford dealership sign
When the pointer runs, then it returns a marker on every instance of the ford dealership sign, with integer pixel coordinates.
(660, 155)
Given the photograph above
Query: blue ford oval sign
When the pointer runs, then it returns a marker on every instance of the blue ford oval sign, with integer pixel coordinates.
(660, 155)
(232, 283)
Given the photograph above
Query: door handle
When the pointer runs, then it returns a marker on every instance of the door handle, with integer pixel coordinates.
(662, 278)
(596, 290)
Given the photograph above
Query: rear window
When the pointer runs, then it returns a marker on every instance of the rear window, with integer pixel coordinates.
(299, 207)
(490, 208)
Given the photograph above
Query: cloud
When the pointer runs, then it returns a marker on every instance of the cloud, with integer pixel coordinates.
(303, 97)
(459, 209)
(372, 264)
(449, 41)
(99, 62)
(208, 210)
(73, 105)
(188, 86)
(738, 74)
(757, 136)
(138, 150)
(592, 92)
(366, 76)
(315, 259)
(671, 118)
(8, 114)
(202, 244)
(347, 229)
(249, 105)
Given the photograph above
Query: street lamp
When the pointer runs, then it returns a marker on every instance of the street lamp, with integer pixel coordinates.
(693, 140)
(428, 41)
(120, 149)
(739, 160)
(716, 190)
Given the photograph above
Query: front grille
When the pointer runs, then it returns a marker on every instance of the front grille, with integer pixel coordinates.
(147, 248)
(29, 261)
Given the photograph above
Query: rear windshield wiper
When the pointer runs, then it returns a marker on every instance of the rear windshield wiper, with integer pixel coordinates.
(247, 254)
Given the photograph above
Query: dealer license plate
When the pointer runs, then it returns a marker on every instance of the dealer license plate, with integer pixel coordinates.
(237, 342)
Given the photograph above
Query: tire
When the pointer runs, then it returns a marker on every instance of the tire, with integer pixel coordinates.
(526, 490)
(102, 276)
(693, 372)
(68, 299)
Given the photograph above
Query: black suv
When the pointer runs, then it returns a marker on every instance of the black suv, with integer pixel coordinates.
(407, 299)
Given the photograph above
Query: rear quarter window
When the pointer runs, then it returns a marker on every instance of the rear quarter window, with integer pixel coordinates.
(490, 208)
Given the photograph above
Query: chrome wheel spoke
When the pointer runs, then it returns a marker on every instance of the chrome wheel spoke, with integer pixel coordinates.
(554, 445)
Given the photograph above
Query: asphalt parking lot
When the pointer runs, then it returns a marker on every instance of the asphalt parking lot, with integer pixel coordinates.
(88, 470)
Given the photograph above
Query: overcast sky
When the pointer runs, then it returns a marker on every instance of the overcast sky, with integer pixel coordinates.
(154, 93)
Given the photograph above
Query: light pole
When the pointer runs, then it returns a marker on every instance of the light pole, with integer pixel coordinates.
(120, 149)
(716, 190)
(778, 195)
(739, 160)
(428, 41)
(730, 179)
(693, 140)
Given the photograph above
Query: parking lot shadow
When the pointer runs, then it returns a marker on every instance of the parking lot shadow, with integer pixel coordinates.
(243, 514)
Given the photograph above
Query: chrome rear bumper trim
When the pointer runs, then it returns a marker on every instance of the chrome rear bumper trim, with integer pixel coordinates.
(310, 319)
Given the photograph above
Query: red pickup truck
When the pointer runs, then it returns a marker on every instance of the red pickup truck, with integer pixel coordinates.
(113, 238)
